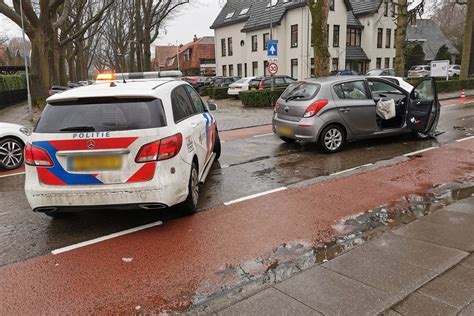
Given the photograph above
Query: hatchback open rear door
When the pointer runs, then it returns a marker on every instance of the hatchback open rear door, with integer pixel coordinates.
(423, 107)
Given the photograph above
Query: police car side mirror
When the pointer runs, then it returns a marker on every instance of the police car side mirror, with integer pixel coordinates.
(211, 105)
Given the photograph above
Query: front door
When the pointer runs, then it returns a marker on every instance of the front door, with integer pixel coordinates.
(423, 107)
(356, 107)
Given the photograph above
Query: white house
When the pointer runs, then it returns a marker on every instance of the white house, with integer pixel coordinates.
(242, 29)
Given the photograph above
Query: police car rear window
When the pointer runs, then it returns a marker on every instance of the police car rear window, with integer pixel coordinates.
(101, 115)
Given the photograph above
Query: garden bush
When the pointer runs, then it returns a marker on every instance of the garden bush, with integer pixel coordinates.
(12, 82)
(217, 93)
(260, 98)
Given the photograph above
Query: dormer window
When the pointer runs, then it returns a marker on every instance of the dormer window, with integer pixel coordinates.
(273, 2)
(229, 15)
(244, 11)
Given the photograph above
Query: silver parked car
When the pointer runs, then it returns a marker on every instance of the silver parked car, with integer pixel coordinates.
(334, 110)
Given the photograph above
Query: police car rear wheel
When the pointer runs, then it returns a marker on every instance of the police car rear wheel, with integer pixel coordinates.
(190, 204)
(217, 146)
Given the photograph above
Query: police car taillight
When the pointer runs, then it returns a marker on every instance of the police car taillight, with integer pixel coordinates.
(163, 149)
(38, 157)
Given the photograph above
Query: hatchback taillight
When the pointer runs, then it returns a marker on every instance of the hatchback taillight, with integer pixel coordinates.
(163, 149)
(315, 107)
(38, 157)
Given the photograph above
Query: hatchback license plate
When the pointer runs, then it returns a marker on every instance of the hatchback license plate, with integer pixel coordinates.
(89, 163)
(285, 131)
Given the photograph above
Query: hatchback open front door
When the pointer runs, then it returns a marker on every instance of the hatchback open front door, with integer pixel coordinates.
(423, 107)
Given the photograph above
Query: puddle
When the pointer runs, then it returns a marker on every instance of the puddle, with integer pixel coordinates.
(291, 258)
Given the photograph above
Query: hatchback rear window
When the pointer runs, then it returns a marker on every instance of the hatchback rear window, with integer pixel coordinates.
(301, 91)
(101, 115)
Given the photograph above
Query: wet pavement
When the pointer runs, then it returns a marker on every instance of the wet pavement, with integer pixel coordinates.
(174, 265)
(252, 162)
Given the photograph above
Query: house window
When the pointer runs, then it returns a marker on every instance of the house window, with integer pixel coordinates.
(187, 55)
(335, 36)
(239, 70)
(266, 38)
(223, 48)
(312, 66)
(231, 70)
(294, 68)
(353, 36)
(385, 8)
(224, 70)
(378, 63)
(327, 33)
(331, 5)
(245, 69)
(294, 35)
(229, 44)
(387, 62)
(265, 68)
(379, 38)
(394, 38)
(335, 64)
(254, 43)
(254, 68)
(388, 39)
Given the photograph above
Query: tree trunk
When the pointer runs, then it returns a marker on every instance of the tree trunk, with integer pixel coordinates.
(319, 20)
(471, 61)
(62, 67)
(40, 70)
(72, 68)
(146, 52)
(400, 38)
(467, 41)
(80, 63)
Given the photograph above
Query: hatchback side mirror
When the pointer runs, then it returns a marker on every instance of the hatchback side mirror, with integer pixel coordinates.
(211, 105)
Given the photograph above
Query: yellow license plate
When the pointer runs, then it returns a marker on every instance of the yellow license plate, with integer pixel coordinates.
(285, 131)
(98, 163)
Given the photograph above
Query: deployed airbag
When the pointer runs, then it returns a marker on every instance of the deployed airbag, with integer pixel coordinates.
(386, 109)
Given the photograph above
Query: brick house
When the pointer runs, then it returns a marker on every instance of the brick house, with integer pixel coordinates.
(195, 58)
(162, 53)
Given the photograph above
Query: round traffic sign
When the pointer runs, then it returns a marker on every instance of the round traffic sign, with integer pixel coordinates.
(273, 68)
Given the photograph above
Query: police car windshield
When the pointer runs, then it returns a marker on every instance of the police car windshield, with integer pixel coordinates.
(101, 115)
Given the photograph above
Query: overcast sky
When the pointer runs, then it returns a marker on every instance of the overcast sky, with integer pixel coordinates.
(195, 18)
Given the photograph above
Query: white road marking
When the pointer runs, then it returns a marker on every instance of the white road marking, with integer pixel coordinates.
(104, 238)
(262, 135)
(13, 174)
(463, 139)
(245, 198)
(351, 169)
(419, 151)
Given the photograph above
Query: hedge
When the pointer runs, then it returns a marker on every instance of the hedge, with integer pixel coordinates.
(450, 85)
(12, 82)
(217, 93)
(260, 98)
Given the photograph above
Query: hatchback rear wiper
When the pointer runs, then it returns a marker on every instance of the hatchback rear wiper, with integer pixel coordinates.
(78, 129)
(293, 97)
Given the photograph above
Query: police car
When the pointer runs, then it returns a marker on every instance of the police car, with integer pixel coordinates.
(121, 144)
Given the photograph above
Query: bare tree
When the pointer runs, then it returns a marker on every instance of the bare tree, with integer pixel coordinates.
(44, 25)
(319, 36)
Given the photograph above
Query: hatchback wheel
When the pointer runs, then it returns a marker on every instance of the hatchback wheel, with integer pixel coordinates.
(11, 154)
(332, 139)
(190, 204)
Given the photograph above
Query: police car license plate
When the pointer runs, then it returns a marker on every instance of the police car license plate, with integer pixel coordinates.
(98, 163)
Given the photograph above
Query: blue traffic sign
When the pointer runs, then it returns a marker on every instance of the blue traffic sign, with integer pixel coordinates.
(272, 49)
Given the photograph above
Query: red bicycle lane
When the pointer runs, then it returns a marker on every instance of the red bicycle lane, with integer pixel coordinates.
(171, 265)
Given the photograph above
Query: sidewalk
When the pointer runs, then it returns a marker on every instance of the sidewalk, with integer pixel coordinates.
(423, 268)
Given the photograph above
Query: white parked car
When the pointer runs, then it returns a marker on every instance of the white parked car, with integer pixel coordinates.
(147, 144)
(238, 86)
(399, 82)
(419, 71)
(454, 71)
(13, 138)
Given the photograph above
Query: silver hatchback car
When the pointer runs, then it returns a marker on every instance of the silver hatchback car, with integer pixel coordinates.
(334, 110)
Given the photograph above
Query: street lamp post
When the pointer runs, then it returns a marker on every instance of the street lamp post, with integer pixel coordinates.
(30, 108)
